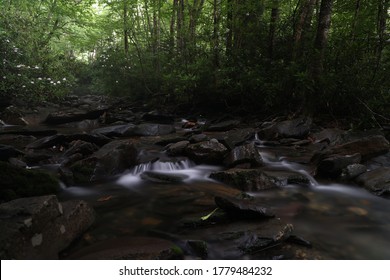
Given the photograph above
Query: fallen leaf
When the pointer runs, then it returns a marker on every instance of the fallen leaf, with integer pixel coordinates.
(105, 198)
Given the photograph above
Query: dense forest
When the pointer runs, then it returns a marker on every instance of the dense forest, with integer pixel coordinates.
(299, 56)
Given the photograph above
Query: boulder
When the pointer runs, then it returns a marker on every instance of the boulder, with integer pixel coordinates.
(41, 227)
(111, 159)
(235, 137)
(150, 129)
(257, 179)
(196, 138)
(177, 148)
(224, 126)
(81, 147)
(244, 154)
(157, 117)
(211, 152)
(296, 128)
(7, 152)
(352, 171)
(376, 181)
(332, 166)
(116, 130)
(18, 182)
(12, 115)
(47, 142)
(367, 147)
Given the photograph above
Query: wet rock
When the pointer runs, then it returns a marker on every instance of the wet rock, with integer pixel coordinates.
(380, 161)
(33, 157)
(81, 147)
(48, 142)
(41, 227)
(177, 148)
(376, 181)
(259, 239)
(243, 208)
(18, 182)
(368, 147)
(130, 248)
(331, 136)
(163, 178)
(157, 117)
(199, 138)
(211, 152)
(244, 154)
(168, 139)
(111, 159)
(352, 171)
(299, 241)
(7, 152)
(224, 126)
(332, 166)
(12, 115)
(97, 139)
(198, 247)
(150, 129)
(72, 115)
(30, 132)
(17, 141)
(296, 128)
(116, 130)
(257, 179)
(235, 137)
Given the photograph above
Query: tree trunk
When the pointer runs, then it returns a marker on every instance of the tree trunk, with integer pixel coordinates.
(229, 24)
(272, 28)
(172, 26)
(125, 28)
(215, 41)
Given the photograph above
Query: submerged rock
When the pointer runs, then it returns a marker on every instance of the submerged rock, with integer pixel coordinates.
(243, 208)
(41, 227)
(163, 178)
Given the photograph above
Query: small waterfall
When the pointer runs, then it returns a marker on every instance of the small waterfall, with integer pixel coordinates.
(162, 166)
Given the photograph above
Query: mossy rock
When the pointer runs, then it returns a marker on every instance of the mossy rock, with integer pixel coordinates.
(17, 182)
(83, 172)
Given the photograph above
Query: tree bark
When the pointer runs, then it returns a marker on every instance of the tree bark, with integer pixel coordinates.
(272, 28)
(125, 28)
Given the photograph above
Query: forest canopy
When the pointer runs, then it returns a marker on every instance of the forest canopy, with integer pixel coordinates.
(261, 56)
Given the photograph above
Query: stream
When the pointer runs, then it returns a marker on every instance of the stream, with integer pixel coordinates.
(340, 221)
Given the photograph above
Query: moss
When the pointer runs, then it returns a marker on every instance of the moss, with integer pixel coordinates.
(17, 182)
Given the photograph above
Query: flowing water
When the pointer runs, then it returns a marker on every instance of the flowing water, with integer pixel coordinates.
(341, 221)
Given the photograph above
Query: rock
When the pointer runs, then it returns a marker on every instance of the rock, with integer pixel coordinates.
(156, 117)
(244, 154)
(380, 161)
(7, 152)
(48, 142)
(257, 179)
(296, 128)
(299, 241)
(177, 148)
(199, 248)
(97, 139)
(376, 181)
(211, 152)
(368, 147)
(163, 178)
(72, 115)
(111, 159)
(130, 248)
(12, 115)
(328, 135)
(260, 239)
(81, 147)
(199, 138)
(168, 139)
(30, 132)
(41, 227)
(243, 208)
(17, 182)
(224, 126)
(150, 129)
(235, 137)
(352, 171)
(116, 130)
(332, 166)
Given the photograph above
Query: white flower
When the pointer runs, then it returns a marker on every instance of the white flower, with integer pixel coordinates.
(48, 79)
(64, 79)
(19, 75)
(19, 66)
(23, 86)
(32, 82)
(58, 82)
(4, 77)
(51, 82)
(39, 79)
(116, 81)
(36, 67)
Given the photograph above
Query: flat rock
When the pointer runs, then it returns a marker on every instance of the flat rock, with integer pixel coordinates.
(376, 181)
(296, 128)
(258, 179)
(116, 130)
(73, 115)
(243, 208)
(41, 227)
(177, 148)
(163, 178)
(47, 142)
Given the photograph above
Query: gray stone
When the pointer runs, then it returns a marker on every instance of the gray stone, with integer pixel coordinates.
(243, 208)
(224, 126)
(244, 154)
(296, 128)
(376, 181)
(352, 171)
(332, 166)
(211, 152)
(40, 227)
(177, 148)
